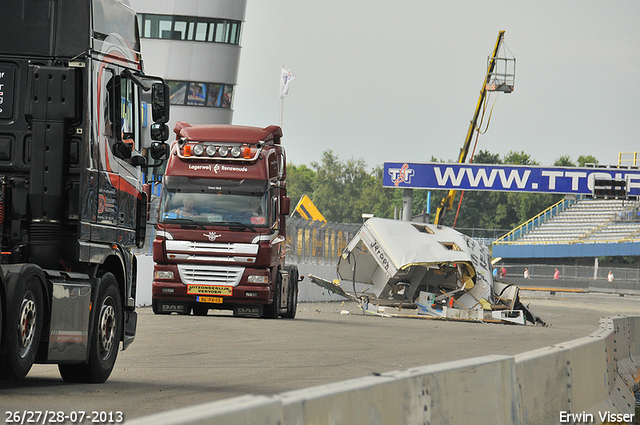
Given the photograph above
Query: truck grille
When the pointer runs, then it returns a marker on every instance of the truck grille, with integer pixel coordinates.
(208, 247)
(203, 274)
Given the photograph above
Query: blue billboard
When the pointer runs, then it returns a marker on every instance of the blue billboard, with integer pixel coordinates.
(504, 178)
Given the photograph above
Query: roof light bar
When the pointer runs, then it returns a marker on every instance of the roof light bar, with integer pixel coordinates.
(206, 151)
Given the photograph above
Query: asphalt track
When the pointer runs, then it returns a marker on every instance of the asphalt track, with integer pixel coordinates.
(178, 361)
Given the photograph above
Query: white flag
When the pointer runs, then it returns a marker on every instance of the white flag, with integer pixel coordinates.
(285, 80)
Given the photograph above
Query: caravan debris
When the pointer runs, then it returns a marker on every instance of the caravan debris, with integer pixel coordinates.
(436, 270)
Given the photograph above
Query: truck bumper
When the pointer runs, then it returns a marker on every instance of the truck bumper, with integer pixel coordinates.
(173, 297)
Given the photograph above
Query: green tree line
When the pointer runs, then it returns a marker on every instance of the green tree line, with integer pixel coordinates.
(343, 190)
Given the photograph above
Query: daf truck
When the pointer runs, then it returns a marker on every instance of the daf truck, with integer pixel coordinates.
(220, 236)
(72, 204)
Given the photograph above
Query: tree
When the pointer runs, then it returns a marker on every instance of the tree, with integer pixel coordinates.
(588, 159)
(519, 158)
(475, 204)
(377, 200)
(564, 161)
(299, 182)
(338, 188)
(486, 157)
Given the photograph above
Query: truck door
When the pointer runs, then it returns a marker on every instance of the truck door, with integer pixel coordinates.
(119, 139)
(107, 167)
(130, 187)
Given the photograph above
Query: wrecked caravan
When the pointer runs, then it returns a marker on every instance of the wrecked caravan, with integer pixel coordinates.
(435, 269)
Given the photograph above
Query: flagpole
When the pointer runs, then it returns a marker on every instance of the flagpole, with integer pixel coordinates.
(281, 103)
(286, 76)
(281, 110)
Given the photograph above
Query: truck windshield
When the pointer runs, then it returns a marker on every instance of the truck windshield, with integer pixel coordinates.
(214, 208)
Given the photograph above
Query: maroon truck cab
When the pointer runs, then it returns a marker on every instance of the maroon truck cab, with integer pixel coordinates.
(220, 239)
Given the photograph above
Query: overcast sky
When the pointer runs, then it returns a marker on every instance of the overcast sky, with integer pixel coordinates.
(398, 80)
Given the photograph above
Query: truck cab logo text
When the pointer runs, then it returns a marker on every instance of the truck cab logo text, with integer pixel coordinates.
(200, 167)
(217, 168)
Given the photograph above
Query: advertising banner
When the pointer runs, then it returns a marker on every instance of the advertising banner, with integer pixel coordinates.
(505, 178)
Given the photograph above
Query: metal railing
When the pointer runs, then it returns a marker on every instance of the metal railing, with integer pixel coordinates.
(573, 272)
(536, 221)
(317, 242)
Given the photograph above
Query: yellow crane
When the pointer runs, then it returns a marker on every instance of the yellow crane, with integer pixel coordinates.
(494, 81)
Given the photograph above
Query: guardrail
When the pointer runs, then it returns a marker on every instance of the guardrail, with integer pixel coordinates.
(536, 221)
(587, 380)
(317, 242)
(572, 273)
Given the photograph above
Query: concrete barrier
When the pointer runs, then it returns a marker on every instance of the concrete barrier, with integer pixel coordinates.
(589, 380)
(586, 378)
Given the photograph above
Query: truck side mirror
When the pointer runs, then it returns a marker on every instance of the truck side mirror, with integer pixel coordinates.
(285, 206)
(160, 102)
(138, 160)
(159, 150)
(121, 150)
(160, 132)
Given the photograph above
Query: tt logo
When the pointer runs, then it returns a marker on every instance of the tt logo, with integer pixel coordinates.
(212, 236)
(401, 175)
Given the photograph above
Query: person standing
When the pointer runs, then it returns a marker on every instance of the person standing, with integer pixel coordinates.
(556, 274)
(610, 276)
(526, 273)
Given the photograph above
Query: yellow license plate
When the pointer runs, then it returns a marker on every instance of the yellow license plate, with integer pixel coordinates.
(210, 290)
(211, 300)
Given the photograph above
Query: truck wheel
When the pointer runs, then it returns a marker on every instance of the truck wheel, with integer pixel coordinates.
(292, 293)
(23, 330)
(105, 338)
(272, 311)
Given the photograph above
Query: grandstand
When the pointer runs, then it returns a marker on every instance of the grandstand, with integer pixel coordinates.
(576, 228)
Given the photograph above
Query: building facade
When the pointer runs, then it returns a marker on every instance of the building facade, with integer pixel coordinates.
(195, 46)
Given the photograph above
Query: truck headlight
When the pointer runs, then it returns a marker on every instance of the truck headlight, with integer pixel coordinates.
(257, 279)
(163, 274)
(211, 150)
(236, 151)
(198, 149)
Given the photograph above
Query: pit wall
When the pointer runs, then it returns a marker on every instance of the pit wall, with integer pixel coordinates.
(592, 376)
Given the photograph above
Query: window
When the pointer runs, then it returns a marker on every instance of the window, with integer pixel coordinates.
(210, 209)
(178, 90)
(154, 26)
(129, 112)
(180, 30)
(215, 95)
(201, 31)
(190, 28)
(191, 93)
(122, 114)
(196, 94)
(450, 246)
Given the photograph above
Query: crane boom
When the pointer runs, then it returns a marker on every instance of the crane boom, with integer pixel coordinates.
(447, 202)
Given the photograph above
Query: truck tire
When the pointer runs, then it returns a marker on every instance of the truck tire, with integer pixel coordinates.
(105, 338)
(24, 323)
(272, 311)
(292, 293)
